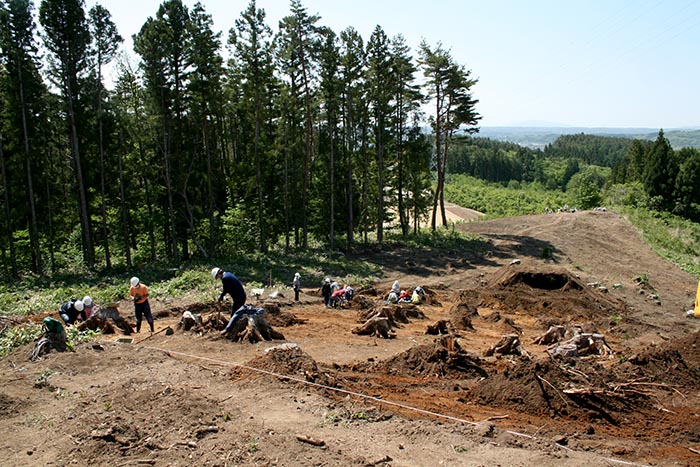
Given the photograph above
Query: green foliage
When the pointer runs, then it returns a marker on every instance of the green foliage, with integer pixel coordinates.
(670, 236)
(495, 200)
(585, 187)
(603, 151)
(74, 336)
(18, 336)
(449, 239)
(628, 194)
(239, 230)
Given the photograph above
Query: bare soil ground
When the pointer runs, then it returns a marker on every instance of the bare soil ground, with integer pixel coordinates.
(329, 397)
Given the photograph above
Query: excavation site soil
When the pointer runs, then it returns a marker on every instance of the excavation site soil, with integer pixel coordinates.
(551, 340)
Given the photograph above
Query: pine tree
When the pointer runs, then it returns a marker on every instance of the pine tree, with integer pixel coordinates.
(106, 43)
(67, 37)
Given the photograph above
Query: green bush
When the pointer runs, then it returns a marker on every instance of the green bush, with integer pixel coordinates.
(18, 336)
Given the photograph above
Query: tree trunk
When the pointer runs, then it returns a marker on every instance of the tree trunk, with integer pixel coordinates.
(258, 176)
(34, 225)
(88, 248)
(103, 201)
(210, 192)
(438, 152)
(8, 225)
(125, 217)
(380, 179)
(169, 191)
(332, 187)
(350, 132)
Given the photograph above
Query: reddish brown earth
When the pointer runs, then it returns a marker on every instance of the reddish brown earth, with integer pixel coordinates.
(193, 398)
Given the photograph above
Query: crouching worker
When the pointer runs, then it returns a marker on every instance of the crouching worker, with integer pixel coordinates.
(53, 337)
(233, 287)
(418, 295)
(139, 294)
(72, 310)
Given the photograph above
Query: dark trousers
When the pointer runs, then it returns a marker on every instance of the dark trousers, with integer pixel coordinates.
(141, 310)
(237, 303)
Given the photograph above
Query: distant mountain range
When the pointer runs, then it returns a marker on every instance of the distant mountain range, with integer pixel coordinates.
(537, 137)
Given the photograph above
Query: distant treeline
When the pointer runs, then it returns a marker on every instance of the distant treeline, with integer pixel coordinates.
(628, 171)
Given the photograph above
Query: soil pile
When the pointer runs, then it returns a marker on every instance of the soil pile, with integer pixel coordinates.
(434, 360)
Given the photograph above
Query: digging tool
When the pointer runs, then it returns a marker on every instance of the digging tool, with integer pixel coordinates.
(148, 337)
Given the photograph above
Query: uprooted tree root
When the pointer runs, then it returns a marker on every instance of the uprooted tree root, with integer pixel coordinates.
(253, 328)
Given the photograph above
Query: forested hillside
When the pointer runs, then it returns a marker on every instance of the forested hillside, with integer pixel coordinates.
(298, 136)
(581, 170)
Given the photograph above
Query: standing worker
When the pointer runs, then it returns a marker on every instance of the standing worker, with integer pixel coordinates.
(326, 291)
(139, 293)
(297, 286)
(232, 286)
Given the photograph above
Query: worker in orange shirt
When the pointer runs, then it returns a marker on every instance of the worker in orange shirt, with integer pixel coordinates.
(139, 294)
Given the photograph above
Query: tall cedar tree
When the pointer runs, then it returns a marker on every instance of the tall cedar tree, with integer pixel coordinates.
(351, 68)
(106, 43)
(330, 97)
(407, 99)
(205, 89)
(163, 44)
(67, 37)
(253, 51)
(299, 37)
(450, 86)
(379, 85)
(23, 104)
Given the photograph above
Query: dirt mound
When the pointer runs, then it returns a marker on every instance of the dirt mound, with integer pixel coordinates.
(434, 360)
(675, 362)
(551, 294)
(576, 389)
(284, 360)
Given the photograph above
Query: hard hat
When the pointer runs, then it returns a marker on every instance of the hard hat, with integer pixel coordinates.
(134, 281)
(215, 272)
(87, 300)
(78, 305)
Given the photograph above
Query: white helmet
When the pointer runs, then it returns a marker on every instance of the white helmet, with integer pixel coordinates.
(87, 300)
(215, 272)
(78, 305)
(134, 281)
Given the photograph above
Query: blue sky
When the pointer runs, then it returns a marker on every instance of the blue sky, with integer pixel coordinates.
(593, 63)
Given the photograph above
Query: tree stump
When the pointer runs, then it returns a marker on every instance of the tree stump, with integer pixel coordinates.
(376, 326)
(582, 345)
(105, 320)
(253, 328)
(508, 345)
(441, 327)
(553, 335)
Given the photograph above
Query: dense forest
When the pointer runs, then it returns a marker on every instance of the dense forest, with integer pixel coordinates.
(304, 137)
(300, 137)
